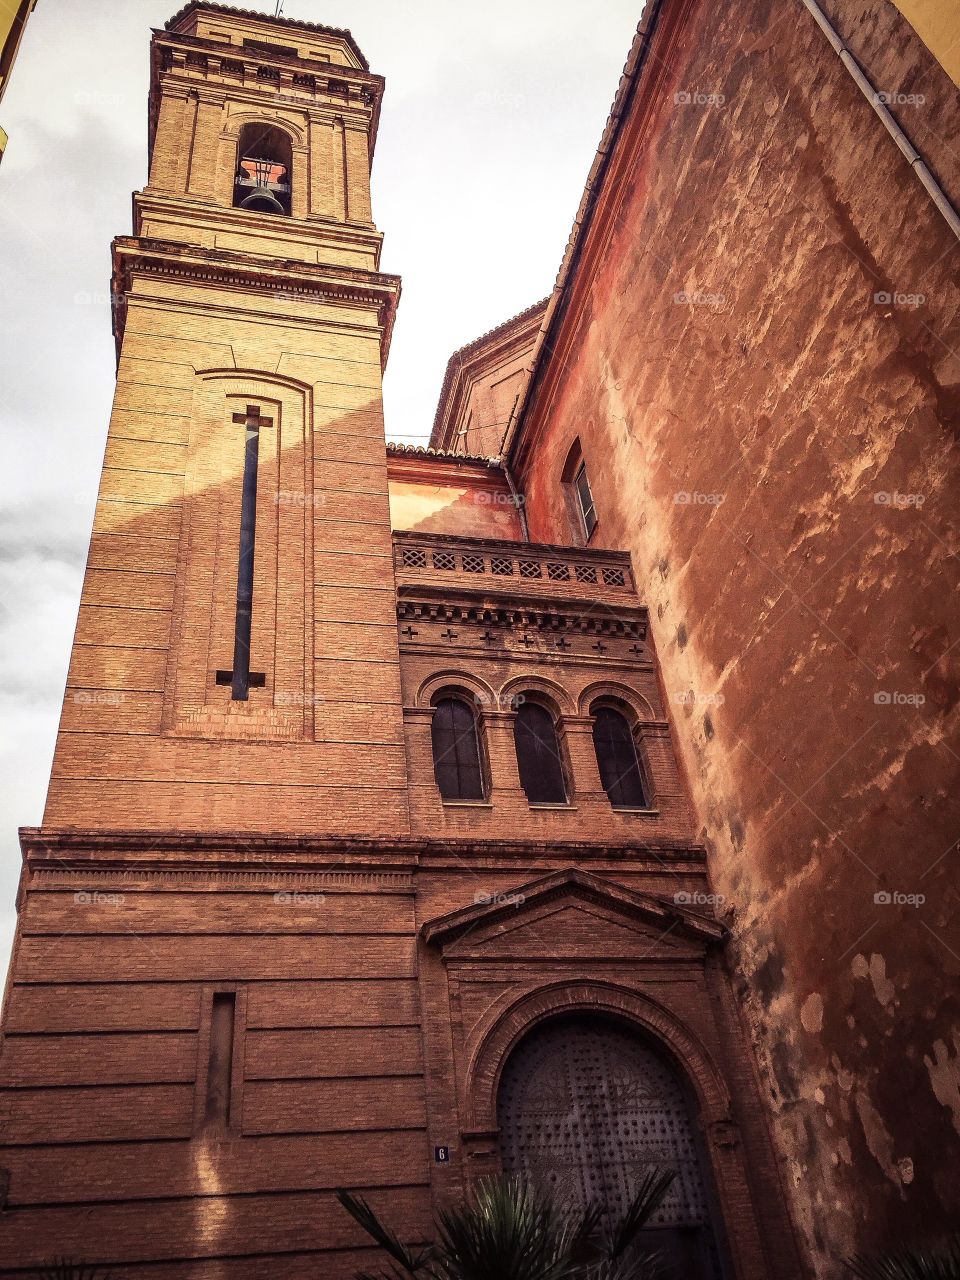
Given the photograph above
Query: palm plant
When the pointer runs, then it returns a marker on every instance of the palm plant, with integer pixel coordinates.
(513, 1231)
(938, 1262)
(67, 1269)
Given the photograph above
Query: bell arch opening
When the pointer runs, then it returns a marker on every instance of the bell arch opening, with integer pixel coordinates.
(264, 165)
(585, 1107)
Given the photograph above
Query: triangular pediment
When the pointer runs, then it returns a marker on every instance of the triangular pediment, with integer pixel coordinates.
(574, 914)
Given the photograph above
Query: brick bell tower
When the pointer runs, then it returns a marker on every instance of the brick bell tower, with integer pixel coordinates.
(366, 859)
(242, 515)
(234, 685)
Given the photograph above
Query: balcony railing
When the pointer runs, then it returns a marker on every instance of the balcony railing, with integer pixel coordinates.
(516, 565)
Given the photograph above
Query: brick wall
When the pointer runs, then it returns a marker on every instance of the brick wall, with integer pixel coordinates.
(755, 418)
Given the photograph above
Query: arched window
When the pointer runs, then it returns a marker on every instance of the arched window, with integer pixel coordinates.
(579, 493)
(585, 1107)
(456, 750)
(617, 759)
(264, 165)
(538, 755)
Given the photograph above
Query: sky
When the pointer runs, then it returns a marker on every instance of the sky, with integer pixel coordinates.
(490, 121)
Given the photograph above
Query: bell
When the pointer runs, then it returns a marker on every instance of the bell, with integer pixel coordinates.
(262, 200)
(263, 172)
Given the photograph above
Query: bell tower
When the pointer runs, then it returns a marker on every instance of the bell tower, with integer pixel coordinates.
(254, 116)
(239, 592)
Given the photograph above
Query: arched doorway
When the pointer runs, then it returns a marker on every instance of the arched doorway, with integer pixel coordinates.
(585, 1107)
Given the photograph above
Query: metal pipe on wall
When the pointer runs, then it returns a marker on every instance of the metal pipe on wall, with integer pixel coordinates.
(917, 163)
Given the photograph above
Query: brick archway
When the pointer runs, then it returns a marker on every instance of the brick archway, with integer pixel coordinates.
(497, 1034)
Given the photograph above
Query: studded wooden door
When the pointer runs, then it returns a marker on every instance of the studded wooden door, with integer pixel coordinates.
(585, 1108)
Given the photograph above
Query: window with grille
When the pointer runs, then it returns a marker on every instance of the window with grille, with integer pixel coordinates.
(473, 564)
(444, 560)
(617, 759)
(414, 558)
(499, 564)
(586, 573)
(538, 755)
(456, 751)
(558, 572)
(530, 569)
(614, 577)
(585, 1108)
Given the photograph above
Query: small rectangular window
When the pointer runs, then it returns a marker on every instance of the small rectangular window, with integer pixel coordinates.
(588, 511)
(216, 1116)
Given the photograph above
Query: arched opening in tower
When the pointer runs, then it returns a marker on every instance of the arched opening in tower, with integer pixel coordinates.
(264, 164)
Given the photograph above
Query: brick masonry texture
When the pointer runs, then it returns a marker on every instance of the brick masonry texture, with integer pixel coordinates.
(756, 408)
(290, 857)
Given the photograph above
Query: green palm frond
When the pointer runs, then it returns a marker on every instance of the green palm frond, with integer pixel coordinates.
(509, 1232)
(413, 1264)
(622, 1234)
(935, 1262)
(67, 1269)
(512, 1230)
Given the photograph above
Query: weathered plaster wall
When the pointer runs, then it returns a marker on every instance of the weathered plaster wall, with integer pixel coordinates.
(777, 448)
(470, 502)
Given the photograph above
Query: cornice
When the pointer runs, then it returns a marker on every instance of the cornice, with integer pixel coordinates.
(523, 612)
(317, 229)
(132, 254)
(79, 849)
(432, 460)
(267, 20)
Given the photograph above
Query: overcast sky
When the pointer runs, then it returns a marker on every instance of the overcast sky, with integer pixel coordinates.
(491, 118)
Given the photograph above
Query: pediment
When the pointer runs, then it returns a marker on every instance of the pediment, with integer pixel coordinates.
(574, 914)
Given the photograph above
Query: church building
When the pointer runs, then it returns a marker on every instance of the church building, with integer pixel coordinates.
(422, 813)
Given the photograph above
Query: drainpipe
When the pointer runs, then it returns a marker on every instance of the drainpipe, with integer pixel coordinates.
(933, 188)
(505, 463)
(518, 499)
